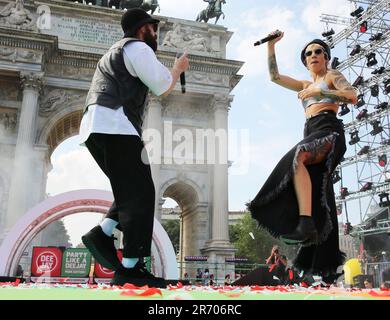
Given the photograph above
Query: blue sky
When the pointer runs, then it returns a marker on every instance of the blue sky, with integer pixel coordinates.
(273, 115)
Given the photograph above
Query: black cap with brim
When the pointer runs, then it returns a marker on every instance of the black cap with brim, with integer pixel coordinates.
(133, 19)
(319, 42)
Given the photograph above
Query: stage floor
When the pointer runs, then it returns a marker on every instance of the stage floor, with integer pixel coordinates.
(22, 291)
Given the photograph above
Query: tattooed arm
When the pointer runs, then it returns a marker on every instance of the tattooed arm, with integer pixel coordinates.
(344, 91)
(274, 74)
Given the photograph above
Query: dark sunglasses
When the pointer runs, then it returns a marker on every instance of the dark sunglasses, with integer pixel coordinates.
(316, 51)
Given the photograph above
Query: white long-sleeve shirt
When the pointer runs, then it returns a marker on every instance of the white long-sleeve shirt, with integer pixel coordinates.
(141, 62)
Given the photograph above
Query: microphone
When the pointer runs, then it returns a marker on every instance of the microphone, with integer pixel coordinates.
(266, 39)
(182, 77)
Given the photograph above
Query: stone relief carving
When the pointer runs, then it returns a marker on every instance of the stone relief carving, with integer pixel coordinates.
(14, 55)
(60, 98)
(15, 15)
(69, 72)
(8, 91)
(183, 38)
(187, 111)
(8, 121)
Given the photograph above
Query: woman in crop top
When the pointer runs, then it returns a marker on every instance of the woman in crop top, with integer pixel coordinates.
(297, 203)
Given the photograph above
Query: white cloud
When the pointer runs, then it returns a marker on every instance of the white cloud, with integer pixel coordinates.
(75, 170)
(181, 9)
(255, 58)
(311, 14)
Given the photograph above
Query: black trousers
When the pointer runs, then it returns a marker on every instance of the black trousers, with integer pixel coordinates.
(120, 158)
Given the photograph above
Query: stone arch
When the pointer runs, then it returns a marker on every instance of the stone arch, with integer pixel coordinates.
(56, 207)
(194, 217)
(61, 126)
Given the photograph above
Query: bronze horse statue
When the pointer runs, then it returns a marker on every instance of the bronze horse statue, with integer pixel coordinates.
(214, 12)
(147, 5)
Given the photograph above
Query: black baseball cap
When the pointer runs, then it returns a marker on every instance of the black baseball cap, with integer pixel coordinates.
(135, 18)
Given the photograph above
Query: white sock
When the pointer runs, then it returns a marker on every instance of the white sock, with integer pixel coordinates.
(129, 262)
(108, 225)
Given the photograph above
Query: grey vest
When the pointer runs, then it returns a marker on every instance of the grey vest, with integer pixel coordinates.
(113, 86)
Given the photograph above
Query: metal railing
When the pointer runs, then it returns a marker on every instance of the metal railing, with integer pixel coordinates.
(377, 269)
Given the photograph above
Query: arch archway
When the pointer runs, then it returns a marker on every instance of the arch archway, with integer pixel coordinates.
(56, 207)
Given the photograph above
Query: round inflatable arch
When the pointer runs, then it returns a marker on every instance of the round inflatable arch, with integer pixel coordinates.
(36, 219)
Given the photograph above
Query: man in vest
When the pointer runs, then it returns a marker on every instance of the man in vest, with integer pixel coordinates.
(111, 129)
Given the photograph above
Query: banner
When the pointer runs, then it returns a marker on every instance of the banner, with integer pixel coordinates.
(76, 263)
(101, 272)
(46, 262)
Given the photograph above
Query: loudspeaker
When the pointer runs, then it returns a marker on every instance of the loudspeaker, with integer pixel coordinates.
(260, 276)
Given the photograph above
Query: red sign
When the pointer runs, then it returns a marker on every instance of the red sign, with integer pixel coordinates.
(46, 262)
(101, 272)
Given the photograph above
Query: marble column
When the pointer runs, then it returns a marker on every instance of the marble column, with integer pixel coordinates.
(22, 191)
(220, 227)
(154, 122)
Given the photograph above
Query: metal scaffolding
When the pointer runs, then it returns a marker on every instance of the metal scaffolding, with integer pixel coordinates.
(362, 180)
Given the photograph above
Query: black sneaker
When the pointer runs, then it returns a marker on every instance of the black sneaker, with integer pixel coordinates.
(102, 248)
(138, 276)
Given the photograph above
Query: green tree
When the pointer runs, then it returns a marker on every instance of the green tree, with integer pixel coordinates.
(256, 250)
(172, 227)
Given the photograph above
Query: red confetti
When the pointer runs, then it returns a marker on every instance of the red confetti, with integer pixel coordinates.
(303, 284)
(16, 283)
(131, 286)
(147, 293)
(381, 295)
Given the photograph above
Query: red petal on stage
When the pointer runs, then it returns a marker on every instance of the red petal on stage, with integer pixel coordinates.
(303, 284)
(15, 283)
(146, 293)
(377, 294)
(257, 288)
(131, 286)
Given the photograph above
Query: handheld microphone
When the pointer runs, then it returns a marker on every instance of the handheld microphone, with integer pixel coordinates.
(266, 39)
(182, 77)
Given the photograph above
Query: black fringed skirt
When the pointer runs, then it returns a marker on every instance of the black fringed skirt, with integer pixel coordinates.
(275, 207)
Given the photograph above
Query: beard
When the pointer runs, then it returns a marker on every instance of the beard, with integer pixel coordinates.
(151, 41)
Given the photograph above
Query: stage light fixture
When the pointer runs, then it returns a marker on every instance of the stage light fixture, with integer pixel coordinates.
(362, 115)
(335, 63)
(344, 110)
(359, 81)
(363, 27)
(360, 102)
(344, 192)
(364, 150)
(371, 60)
(347, 228)
(336, 177)
(387, 86)
(379, 70)
(376, 37)
(354, 137)
(374, 90)
(385, 142)
(355, 50)
(382, 160)
(358, 12)
(329, 33)
(382, 106)
(377, 128)
(367, 186)
(384, 199)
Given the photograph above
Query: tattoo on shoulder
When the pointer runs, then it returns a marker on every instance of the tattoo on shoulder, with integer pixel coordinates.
(273, 68)
(340, 82)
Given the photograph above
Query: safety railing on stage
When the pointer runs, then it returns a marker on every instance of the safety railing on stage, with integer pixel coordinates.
(380, 271)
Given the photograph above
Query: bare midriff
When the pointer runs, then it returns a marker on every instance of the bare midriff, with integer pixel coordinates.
(319, 107)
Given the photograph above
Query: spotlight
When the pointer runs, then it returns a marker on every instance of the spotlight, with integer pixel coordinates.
(347, 228)
(359, 80)
(362, 114)
(382, 160)
(358, 12)
(336, 177)
(343, 192)
(377, 128)
(354, 137)
(385, 142)
(382, 106)
(344, 110)
(335, 63)
(364, 150)
(363, 27)
(387, 86)
(361, 101)
(374, 90)
(355, 50)
(371, 61)
(384, 199)
(376, 37)
(379, 70)
(366, 187)
(328, 33)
